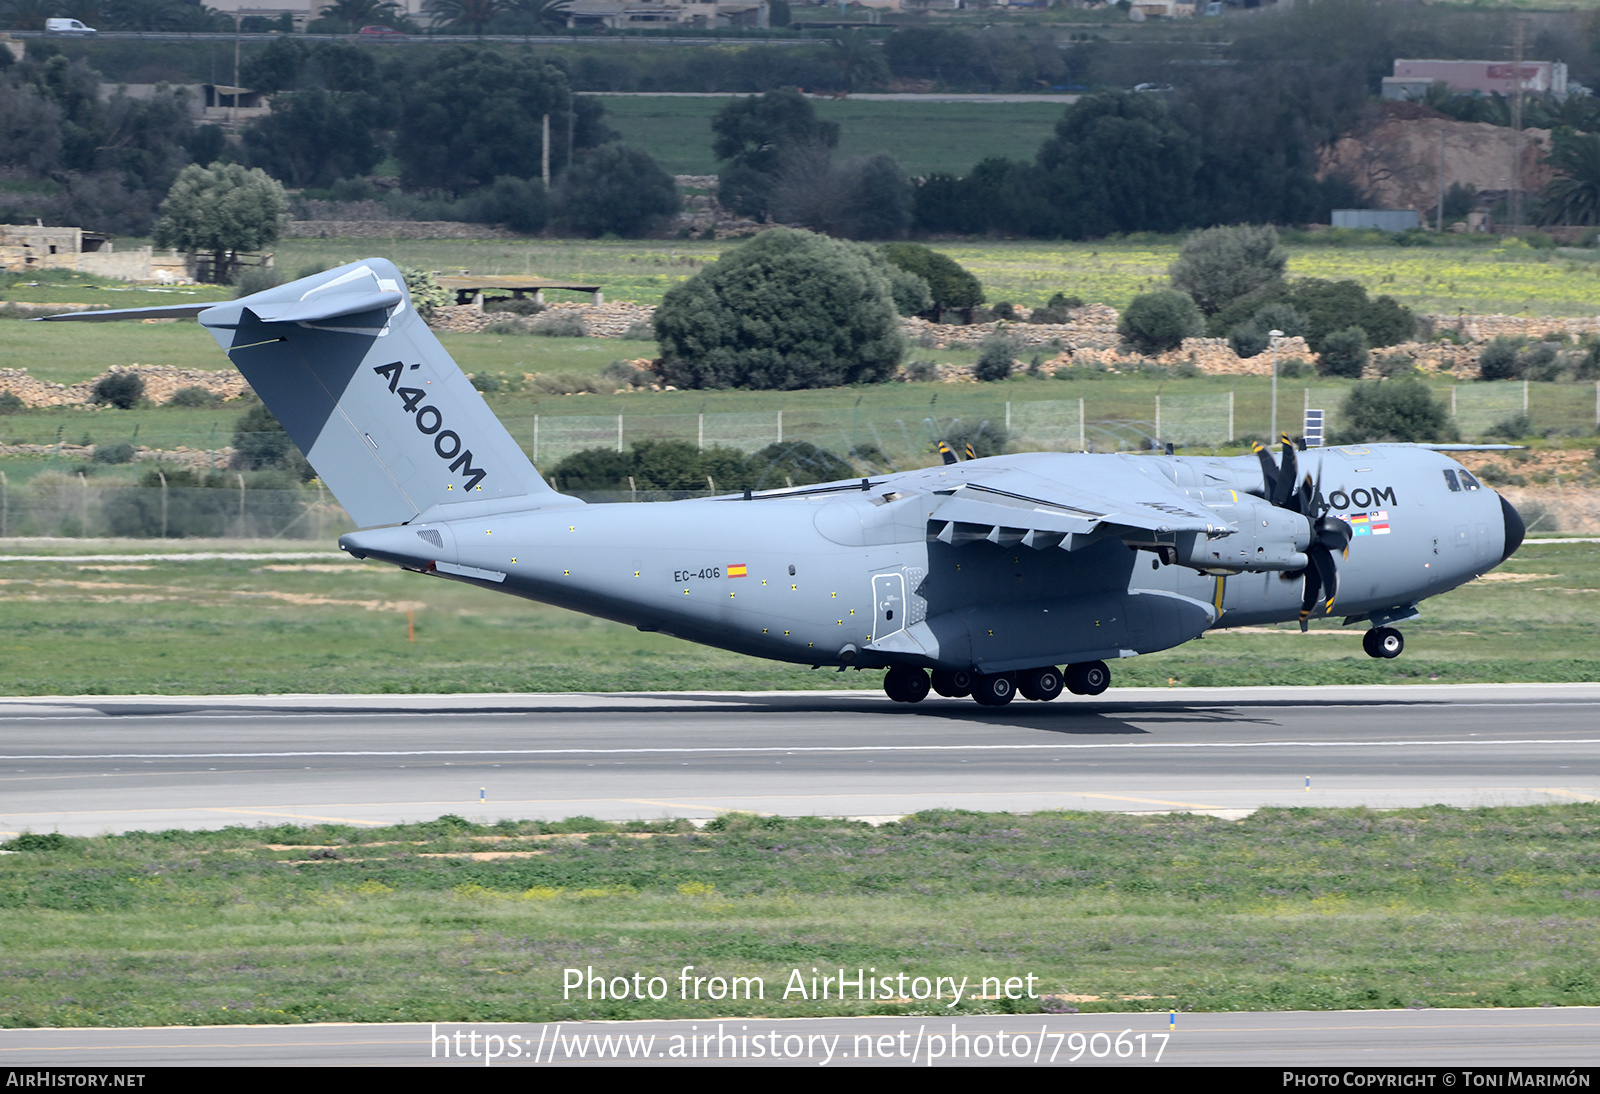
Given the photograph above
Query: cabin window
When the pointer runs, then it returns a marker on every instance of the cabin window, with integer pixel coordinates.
(1450, 480)
(1468, 481)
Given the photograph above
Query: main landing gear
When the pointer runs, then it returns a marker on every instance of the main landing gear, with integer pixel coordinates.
(905, 684)
(1383, 642)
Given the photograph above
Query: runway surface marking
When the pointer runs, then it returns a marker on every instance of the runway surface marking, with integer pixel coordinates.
(790, 749)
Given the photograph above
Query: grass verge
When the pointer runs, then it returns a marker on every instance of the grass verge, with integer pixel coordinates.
(1287, 909)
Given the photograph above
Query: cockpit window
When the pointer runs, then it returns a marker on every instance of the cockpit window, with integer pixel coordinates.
(1468, 481)
(1450, 480)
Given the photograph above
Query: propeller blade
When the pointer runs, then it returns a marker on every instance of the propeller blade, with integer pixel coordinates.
(1308, 602)
(1327, 573)
(946, 452)
(1269, 470)
(1289, 473)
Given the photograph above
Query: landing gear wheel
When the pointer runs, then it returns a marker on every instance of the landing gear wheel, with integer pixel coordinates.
(1088, 678)
(953, 684)
(904, 684)
(996, 690)
(1040, 685)
(1383, 642)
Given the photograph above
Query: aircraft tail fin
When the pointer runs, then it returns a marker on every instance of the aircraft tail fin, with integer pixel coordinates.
(385, 416)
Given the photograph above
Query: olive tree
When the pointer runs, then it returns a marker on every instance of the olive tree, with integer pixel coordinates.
(1221, 265)
(787, 310)
(222, 210)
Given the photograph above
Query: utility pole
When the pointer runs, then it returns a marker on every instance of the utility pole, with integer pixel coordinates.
(1514, 195)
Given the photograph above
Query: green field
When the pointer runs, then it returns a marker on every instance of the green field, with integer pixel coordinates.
(331, 625)
(1288, 909)
(1475, 275)
(923, 137)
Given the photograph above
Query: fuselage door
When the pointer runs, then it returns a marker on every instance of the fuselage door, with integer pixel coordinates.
(889, 602)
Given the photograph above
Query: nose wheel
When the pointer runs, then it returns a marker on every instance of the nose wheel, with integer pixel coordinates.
(1383, 642)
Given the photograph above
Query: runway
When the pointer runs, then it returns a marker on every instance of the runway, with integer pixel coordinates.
(88, 765)
(1365, 1044)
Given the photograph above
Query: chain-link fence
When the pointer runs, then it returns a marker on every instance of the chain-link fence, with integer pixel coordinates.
(94, 509)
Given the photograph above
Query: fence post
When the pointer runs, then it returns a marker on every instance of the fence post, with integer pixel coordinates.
(700, 433)
(241, 505)
(1083, 433)
(163, 477)
(780, 425)
(1158, 418)
(619, 434)
(5, 496)
(1231, 433)
(1524, 398)
(1008, 415)
(536, 438)
(83, 531)
(1452, 400)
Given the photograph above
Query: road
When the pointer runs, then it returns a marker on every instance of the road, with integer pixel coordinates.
(90, 765)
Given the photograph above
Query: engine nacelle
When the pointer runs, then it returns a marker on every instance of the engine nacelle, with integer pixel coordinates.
(1264, 538)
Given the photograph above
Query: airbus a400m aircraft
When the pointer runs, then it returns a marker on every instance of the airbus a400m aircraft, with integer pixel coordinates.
(979, 577)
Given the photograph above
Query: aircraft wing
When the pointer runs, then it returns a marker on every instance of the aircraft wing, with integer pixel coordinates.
(1020, 506)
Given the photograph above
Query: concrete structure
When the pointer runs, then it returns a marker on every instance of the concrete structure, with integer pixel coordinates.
(621, 14)
(1385, 220)
(1412, 79)
(26, 247)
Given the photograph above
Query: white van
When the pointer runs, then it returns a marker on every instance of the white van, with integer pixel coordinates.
(66, 26)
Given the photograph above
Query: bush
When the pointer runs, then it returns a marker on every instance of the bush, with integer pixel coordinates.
(1498, 360)
(1057, 310)
(951, 285)
(1249, 339)
(1222, 265)
(1344, 353)
(254, 279)
(986, 438)
(11, 402)
(426, 292)
(996, 357)
(639, 332)
(1158, 321)
(626, 373)
(261, 444)
(614, 190)
(563, 324)
(122, 390)
(487, 383)
(1395, 410)
(513, 305)
(787, 310)
(113, 453)
(195, 398)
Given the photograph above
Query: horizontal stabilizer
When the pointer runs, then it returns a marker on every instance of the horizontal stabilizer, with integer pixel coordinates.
(168, 311)
(331, 306)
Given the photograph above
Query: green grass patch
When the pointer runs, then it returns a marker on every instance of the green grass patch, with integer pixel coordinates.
(222, 626)
(924, 137)
(1312, 909)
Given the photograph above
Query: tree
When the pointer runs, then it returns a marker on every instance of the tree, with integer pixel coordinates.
(474, 115)
(465, 15)
(787, 310)
(1221, 265)
(753, 135)
(352, 15)
(951, 285)
(1401, 409)
(222, 209)
(614, 189)
(122, 390)
(1344, 353)
(996, 357)
(261, 444)
(314, 138)
(1573, 197)
(1329, 306)
(1498, 360)
(1155, 322)
(1118, 163)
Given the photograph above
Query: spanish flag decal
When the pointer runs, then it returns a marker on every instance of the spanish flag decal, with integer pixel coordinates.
(738, 569)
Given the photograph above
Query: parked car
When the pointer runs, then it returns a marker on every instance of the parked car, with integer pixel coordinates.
(67, 26)
(380, 32)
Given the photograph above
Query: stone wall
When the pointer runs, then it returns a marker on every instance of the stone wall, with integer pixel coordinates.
(396, 229)
(161, 382)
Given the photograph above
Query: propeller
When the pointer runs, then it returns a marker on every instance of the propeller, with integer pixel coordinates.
(947, 453)
(1328, 533)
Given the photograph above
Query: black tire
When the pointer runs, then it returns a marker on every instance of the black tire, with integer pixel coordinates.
(1041, 684)
(1088, 678)
(996, 690)
(1369, 643)
(953, 683)
(1387, 641)
(904, 684)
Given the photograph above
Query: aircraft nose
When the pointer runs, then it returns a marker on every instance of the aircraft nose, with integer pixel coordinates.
(1515, 529)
